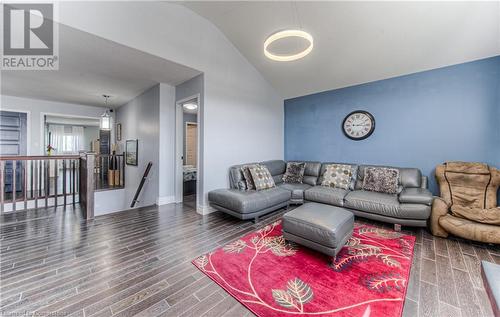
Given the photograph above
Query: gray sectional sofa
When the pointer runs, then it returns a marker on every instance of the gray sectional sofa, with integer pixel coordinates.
(411, 207)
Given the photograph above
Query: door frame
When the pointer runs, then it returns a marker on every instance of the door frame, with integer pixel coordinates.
(63, 115)
(179, 150)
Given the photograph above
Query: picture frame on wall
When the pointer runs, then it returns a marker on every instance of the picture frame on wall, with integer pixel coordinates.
(118, 132)
(131, 152)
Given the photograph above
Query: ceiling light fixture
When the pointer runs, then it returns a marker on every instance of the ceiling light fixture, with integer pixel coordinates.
(106, 118)
(190, 106)
(284, 34)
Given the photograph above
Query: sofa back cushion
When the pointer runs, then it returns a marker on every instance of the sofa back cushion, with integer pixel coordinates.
(311, 173)
(276, 168)
(408, 177)
(236, 177)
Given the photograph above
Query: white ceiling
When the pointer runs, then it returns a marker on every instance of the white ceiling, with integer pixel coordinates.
(358, 42)
(91, 66)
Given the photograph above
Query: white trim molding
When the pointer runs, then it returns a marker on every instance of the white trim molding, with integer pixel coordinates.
(165, 200)
(205, 210)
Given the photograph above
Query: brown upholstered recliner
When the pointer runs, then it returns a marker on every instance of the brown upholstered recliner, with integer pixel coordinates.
(468, 204)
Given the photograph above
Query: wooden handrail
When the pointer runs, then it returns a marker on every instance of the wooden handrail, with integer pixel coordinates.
(108, 155)
(141, 184)
(39, 157)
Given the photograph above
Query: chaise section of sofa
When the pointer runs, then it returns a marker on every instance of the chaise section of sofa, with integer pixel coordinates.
(249, 204)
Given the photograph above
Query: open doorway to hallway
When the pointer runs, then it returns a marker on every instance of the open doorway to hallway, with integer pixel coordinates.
(188, 140)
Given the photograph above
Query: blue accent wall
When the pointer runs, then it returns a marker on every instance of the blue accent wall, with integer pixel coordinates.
(422, 120)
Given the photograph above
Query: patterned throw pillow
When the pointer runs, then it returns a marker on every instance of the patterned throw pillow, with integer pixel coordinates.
(337, 175)
(381, 180)
(294, 172)
(262, 178)
(247, 176)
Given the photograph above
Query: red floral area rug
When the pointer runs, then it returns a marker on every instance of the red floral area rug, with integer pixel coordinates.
(273, 277)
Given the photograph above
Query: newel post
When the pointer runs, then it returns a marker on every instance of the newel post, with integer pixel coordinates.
(87, 166)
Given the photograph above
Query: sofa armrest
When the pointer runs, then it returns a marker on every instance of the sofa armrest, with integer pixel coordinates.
(440, 208)
(416, 196)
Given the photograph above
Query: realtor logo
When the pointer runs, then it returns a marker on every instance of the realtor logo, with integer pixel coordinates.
(29, 37)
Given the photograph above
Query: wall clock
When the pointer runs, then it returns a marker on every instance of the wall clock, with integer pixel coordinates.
(358, 125)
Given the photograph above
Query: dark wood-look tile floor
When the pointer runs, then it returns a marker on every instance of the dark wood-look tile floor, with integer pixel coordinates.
(137, 263)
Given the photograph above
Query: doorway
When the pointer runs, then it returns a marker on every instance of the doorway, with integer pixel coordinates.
(188, 153)
(13, 142)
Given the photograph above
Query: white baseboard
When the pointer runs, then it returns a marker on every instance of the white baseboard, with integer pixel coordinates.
(165, 200)
(205, 210)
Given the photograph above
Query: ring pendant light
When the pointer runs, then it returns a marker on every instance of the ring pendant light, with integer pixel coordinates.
(285, 34)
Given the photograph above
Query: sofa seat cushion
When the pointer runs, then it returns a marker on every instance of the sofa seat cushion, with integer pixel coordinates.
(326, 195)
(292, 187)
(378, 203)
(487, 216)
(327, 225)
(469, 229)
(248, 201)
(385, 205)
(414, 211)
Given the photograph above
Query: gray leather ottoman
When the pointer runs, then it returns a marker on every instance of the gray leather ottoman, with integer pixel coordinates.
(320, 227)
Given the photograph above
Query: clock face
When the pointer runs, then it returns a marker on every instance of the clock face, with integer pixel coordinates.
(358, 125)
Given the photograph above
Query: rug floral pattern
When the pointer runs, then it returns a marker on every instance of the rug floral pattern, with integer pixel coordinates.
(273, 277)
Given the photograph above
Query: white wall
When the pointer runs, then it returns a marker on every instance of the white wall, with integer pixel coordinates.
(140, 119)
(36, 109)
(243, 114)
(167, 145)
